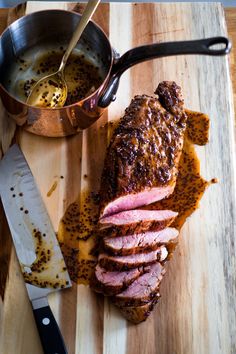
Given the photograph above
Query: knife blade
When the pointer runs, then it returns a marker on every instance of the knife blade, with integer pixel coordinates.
(37, 248)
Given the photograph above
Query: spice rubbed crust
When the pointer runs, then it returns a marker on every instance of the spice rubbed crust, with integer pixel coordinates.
(140, 171)
(142, 159)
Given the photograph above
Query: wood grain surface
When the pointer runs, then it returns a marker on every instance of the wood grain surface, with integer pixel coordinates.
(197, 311)
(230, 15)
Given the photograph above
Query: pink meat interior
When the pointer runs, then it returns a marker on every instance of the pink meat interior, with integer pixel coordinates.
(145, 284)
(146, 257)
(143, 239)
(131, 216)
(115, 278)
(133, 201)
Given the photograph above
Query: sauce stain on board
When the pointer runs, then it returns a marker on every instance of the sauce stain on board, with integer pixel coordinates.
(52, 189)
(78, 235)
(198, 125)
(78, 238)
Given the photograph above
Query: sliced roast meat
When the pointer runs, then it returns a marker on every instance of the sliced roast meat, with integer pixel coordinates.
(112, 283)
(142, 159)
(132, 201)
(136, 221)
(137, 314)
(147, 241)
(143, 289)
(121, 263)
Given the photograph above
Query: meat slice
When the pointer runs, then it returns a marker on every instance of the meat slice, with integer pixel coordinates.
(121, 263)
(142, 159)
(137, 314)
(147, 241)
(136, 221)
(112, 283)
(143, 289)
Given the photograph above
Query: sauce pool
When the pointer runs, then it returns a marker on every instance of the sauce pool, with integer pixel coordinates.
(77, 231)
(78, 238)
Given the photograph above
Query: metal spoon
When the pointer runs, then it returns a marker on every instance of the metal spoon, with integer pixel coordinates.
(51, 90)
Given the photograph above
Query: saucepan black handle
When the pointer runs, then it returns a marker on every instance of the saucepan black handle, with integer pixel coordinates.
(158, 50)
(49, 332)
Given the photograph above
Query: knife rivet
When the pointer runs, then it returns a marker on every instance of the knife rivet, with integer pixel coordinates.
(45, 321)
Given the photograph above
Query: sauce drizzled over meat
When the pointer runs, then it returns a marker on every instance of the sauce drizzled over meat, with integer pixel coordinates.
(77, 232)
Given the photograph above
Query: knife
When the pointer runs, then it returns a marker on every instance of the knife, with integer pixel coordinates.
(36, 245)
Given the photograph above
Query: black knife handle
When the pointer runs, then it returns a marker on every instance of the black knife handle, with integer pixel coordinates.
(49, 331)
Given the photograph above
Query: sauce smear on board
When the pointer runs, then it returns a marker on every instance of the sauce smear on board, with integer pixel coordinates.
(77, 231)
(77, 236)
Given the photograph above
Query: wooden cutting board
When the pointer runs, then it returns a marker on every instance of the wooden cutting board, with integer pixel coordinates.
(197, 311)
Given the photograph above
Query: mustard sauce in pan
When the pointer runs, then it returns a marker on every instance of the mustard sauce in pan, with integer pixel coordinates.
(82, 76)
(77, 230)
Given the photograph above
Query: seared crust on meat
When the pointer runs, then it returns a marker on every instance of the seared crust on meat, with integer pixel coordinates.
(140, 168)
(137, 314)
(170, 97)
(145, 148)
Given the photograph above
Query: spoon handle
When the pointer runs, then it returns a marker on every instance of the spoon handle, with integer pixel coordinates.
(86, 16)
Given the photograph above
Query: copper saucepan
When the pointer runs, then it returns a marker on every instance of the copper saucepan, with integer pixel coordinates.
(31, 32)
